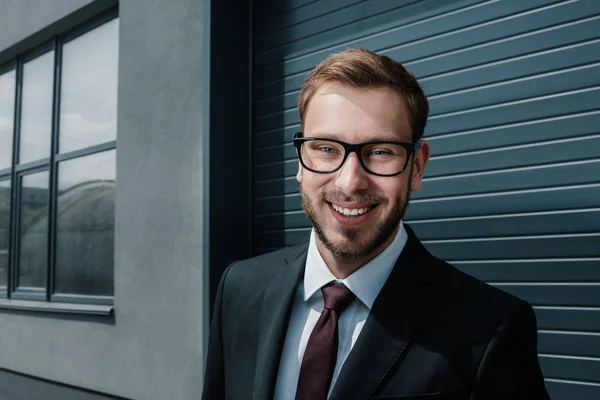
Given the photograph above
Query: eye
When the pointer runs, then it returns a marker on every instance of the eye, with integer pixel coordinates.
(327, 149)
(381, 152)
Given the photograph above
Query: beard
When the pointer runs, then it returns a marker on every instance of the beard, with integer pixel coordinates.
(354, 246)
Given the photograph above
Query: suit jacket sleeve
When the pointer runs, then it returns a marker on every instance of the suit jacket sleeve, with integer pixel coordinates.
(510, 367)
(214, 377)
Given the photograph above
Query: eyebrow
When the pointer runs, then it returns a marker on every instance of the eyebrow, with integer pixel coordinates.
(327, 135)
(338, 136)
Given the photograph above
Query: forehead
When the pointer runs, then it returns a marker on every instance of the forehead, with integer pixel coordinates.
(356, 114)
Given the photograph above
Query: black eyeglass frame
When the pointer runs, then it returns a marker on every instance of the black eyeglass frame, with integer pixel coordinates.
(410, 148)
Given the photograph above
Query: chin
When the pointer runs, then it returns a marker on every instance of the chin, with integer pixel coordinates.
(347, 242)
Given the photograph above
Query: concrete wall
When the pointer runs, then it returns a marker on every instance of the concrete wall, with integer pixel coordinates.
(21, 19)
(152, 348)
(25, 24)
(19, 387)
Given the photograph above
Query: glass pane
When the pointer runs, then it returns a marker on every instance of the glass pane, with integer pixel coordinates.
(322, 155)
(7, 109)
(33, 234)
(4, 229)
(36, 108)
(88, 100)
(85, 225)
(384, 158)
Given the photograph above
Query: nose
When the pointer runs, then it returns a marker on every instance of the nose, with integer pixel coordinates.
(351, 177)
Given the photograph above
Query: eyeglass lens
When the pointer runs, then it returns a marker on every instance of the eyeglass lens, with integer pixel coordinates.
(380, 158)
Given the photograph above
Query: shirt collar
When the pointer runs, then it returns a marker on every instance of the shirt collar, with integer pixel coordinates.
(366, 282)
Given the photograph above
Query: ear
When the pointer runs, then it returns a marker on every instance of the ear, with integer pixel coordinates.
(420, 159)
(299, 174)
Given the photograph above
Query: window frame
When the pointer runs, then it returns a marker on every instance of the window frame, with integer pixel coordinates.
(11, 296)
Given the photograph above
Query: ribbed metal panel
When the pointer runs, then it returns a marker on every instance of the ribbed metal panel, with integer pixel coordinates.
(512, 192)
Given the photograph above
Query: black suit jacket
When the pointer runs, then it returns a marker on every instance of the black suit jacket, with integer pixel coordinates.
(432, 333)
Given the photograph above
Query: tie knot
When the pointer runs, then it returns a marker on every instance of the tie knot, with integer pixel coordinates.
(337, 297)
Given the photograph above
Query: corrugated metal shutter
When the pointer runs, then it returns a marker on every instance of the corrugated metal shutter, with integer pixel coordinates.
(512, 192)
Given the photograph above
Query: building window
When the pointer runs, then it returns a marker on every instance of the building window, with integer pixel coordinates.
(7, 111)
(58, 131)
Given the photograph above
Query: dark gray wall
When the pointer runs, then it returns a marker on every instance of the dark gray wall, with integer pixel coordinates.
(152, 348)
(230, 136)
(512, 192)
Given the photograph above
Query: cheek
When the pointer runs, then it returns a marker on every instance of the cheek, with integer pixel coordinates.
(392, 188)
(315, 184)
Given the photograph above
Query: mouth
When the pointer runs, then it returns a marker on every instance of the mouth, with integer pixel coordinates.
(351, 212)
(351, 215)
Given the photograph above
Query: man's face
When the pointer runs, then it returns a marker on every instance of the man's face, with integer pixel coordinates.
(358, 115)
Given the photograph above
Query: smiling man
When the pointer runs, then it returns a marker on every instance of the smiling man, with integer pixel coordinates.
(363, 310)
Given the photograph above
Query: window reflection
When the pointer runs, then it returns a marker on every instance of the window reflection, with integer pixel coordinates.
(85, 225)
(36, 108)
(89, 89)
(4, 229)
(33, 225)
(7, 109)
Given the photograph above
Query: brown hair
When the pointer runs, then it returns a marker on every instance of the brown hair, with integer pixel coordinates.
(365, 69)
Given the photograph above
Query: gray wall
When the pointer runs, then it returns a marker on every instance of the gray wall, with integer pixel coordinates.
(20, 19)
(24, 24)
(18, 387)
(152, 349)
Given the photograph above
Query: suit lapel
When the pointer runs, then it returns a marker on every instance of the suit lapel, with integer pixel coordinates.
(274, 317)
(402, 305)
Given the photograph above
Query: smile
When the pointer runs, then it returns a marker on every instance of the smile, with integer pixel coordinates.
(350, 212)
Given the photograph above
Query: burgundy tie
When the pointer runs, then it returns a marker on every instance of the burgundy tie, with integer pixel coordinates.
(321, 350)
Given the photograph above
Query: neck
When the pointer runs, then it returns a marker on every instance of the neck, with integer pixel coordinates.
(342, 268)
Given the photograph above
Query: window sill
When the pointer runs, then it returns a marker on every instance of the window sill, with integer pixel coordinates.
(54, 307)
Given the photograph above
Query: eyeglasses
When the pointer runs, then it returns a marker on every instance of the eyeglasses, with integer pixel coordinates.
(381, 158)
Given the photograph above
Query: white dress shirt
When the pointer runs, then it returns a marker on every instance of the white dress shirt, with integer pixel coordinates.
(365, 283)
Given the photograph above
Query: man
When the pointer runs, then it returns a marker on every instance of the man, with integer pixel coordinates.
(363, 310)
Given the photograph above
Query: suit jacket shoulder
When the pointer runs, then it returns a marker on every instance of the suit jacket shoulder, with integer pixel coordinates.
(253, 274)
(467, 307)
(465, 290)
(251, 314)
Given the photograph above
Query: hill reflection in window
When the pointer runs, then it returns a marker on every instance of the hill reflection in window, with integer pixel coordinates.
(4, 229)
(33, 229)
(85, 225)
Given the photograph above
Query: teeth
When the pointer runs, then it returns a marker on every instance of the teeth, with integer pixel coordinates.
(350, 212)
